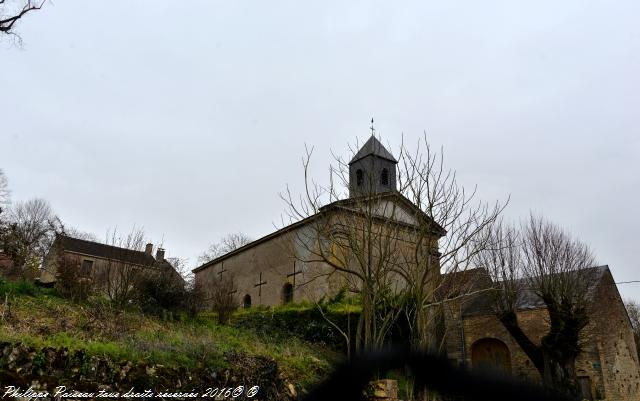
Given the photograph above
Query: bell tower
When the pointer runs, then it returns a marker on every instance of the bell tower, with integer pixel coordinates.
(372, 170)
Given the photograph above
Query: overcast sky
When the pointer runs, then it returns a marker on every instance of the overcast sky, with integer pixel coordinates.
(188, 118)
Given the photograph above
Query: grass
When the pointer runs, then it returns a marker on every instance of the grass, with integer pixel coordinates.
(39, 317)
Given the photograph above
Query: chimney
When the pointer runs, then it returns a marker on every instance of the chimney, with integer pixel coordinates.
(160, 254)
(149, 249)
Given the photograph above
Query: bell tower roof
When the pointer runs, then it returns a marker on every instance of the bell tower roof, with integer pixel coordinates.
(375, 148)
(372, 170)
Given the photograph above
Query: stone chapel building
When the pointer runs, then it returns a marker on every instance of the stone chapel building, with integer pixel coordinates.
(269, 272)
(272, 270)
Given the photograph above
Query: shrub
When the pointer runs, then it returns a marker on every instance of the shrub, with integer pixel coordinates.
(163, 293)
(159, 292)
(302, 321)
(71, 282)
(221, 298)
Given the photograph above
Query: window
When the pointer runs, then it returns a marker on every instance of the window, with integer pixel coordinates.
(246, 301)
(287, 293)
(359, 177)
(87, 266)
(384, 177)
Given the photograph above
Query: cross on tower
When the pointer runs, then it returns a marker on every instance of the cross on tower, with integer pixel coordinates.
(373, 131)
(260, 284)
(294, 274)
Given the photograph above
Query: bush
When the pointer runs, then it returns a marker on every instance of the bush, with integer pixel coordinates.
(165, 294)
(303, 321)
(159, 292)
(71, 282)
(22, 287)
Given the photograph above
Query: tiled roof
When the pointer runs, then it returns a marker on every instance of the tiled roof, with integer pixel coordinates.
(105, 251)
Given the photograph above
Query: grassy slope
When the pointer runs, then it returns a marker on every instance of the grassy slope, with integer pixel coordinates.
(40, 318)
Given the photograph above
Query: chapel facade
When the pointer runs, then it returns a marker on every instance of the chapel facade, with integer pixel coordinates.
(285, 266)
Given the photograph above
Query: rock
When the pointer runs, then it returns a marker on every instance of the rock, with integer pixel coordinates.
(291, 391)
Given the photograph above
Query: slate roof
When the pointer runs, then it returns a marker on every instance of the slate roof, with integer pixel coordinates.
(105, 251)
(463, 282)
(373, 147)
(481, 303)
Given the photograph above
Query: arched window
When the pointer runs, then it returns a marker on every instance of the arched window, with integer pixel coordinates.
(359, 177)
(491, 353)
(384, 177)
(246, 301)
(287, 293)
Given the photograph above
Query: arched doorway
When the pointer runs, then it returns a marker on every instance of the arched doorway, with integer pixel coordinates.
(492, 354)
(287, 293)
(246, 301)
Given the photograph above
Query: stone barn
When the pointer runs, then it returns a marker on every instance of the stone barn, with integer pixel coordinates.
(607, 366)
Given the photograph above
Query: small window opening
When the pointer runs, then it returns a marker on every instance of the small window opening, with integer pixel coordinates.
(359, 177)
(384, 177)
(246, 301)
(287, 293)
(87, 266)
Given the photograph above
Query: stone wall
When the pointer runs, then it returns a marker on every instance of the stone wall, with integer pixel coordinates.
(270, 262)
(615, 344)
(48, 368)
(608, 363)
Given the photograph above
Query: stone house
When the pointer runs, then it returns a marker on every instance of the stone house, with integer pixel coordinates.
(607, 366)
(99, 261)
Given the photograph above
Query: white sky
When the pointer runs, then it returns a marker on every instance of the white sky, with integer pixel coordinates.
(188, 118)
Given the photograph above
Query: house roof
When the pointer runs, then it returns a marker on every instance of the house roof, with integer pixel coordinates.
(462, 282)
(105, 251)
(373, 147)
(481, 303)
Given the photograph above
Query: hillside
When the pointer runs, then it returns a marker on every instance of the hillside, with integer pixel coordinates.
(40, 321)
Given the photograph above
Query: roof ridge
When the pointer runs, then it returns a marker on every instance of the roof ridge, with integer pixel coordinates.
(113, 247)
(373, 147)
(103, 244)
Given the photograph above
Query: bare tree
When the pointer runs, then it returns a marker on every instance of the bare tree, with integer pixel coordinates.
(30, 234)
(226, 244)
(384, 259)
(633, 310)
(13, 11)
(557, 268)
(221, 297)
(434, 188)
(123, 271)
(79, 234)
(352, 242)
(5, 194)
